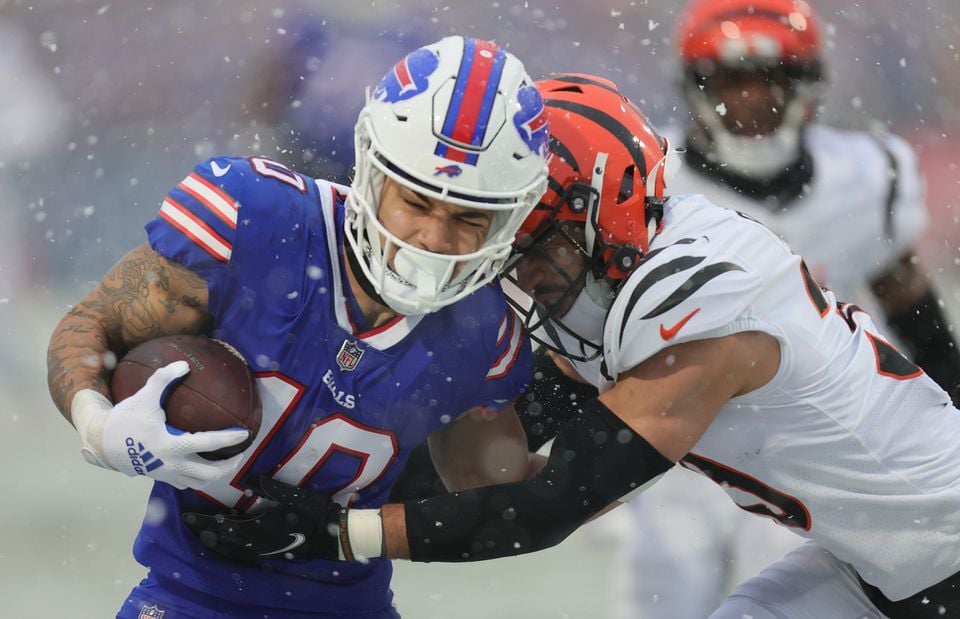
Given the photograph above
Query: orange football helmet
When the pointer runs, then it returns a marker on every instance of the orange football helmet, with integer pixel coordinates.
(608, 167)
(778, 40)
(762, 32)
(605, 196)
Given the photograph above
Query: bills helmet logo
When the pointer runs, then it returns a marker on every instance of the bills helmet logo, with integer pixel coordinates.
(151, 612)
(531, 120)
(407, 78)
(450, 170)
(349, 356)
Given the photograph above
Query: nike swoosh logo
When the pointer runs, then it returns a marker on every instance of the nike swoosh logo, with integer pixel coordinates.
(217, 170)
(298, 540)
(668, 334)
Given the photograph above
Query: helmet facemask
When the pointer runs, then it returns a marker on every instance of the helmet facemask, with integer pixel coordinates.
(412, 280)
(765, 144)
(578, 261)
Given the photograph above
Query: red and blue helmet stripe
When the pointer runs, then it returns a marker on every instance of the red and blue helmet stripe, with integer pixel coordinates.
(473, 95)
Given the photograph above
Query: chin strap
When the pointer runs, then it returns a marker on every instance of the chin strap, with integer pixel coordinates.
(359, 274)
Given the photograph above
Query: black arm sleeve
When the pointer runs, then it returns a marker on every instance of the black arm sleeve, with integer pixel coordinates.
(924, 331)
(595, 460)
(551, 400)
(418, 479)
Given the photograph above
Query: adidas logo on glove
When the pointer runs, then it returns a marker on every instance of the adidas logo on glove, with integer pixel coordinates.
(141, 459)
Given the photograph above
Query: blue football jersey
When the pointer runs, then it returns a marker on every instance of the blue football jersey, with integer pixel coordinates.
(342, 407)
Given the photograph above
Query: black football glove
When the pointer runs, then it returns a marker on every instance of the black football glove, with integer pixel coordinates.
(304, 525)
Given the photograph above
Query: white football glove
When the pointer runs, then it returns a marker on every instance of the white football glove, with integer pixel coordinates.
(132, 436)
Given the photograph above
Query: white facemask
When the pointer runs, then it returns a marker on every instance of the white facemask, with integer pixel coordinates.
(756, 156)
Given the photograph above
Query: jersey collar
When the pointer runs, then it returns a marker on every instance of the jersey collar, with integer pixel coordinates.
(344, 302)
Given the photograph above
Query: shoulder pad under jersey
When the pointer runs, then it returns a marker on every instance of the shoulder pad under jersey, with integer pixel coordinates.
(682, 292)
(228, 203)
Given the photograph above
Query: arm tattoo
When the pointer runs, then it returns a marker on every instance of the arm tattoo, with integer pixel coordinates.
(142, 297)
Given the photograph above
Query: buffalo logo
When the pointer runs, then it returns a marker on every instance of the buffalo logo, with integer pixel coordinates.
(349, 356)
(151, 612)
(531, 119)
(450, 170)
(407, 78)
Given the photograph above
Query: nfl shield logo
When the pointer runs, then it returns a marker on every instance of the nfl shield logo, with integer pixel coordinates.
(151, 612)
(349, 356)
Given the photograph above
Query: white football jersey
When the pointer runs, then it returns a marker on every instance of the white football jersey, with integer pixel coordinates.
(849, 444)
(863, 209)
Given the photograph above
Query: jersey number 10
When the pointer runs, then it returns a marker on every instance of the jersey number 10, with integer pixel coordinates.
(373, 448)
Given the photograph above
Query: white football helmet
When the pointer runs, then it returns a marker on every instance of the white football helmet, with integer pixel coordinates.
(458, 121)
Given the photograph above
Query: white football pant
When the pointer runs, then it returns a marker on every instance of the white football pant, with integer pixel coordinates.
(688, 546)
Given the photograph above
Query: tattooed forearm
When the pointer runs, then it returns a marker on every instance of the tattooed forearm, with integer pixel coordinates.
(142, 297)
(77, 358)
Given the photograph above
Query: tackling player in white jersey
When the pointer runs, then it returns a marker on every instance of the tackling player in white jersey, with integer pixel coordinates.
(851, 203)
(713, 346)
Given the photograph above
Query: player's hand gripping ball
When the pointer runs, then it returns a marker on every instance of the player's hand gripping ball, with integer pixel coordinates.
(219, 392)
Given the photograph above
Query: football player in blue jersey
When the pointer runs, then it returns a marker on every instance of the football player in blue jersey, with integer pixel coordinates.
(371, 316)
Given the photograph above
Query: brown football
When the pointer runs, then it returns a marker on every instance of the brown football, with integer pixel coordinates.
(219, 392)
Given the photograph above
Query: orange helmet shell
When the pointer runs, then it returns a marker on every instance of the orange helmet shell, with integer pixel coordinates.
(588, 115)
(729, 32)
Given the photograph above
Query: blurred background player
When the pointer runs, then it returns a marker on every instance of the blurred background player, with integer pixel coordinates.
(357, 307)
(850, 202)
(306, 78)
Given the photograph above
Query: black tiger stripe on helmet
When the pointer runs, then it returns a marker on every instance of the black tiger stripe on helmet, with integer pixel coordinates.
(588, 116)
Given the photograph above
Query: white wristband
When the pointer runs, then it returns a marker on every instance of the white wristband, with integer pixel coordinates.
(88, 411)
(364, 535)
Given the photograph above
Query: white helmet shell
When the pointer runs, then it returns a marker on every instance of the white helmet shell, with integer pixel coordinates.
(458, 121)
